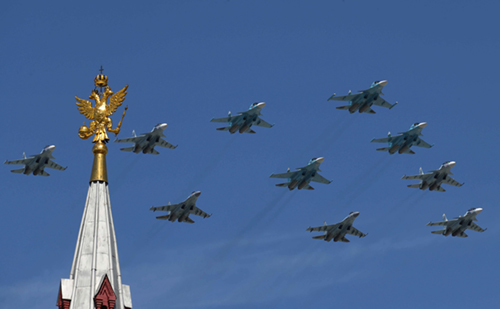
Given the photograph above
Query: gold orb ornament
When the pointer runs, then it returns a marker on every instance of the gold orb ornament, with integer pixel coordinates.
(83, 132)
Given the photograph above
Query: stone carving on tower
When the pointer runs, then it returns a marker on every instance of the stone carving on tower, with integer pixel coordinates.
(95, 279)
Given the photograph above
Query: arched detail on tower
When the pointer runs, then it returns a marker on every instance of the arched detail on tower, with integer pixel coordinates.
(105, 297)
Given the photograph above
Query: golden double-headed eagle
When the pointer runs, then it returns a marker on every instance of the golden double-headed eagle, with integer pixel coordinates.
(100, 113)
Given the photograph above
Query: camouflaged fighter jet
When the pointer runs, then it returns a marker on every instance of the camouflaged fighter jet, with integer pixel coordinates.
(37, 163)
(457, 226)
(148, 141)
(300, 179)
(363, 101)
(181, 211)
(402, 142)
(337, 231)
(244, 121)
(434, 179)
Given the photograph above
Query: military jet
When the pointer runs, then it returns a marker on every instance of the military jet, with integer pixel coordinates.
(363, 101)
(148, 141)
(181, 211)
(300, 179)
(404, 140)
(36, 163)
(434, 179)
(457, 226)
(244, 121)
(337, 231)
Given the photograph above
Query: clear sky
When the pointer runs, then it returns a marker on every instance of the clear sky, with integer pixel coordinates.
(188, 61)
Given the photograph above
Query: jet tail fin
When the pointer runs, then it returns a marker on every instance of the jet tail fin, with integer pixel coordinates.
(282, 184)
(154, 151)
(163, 217)
(439, 232)
(343, 107)
(188, 220)
(308, 187)
(43, 173)
(223, 129)
(250, 131)
(20, 171)
(128, 149)
(319, 237)
(383, 149)
(343, 239)
(416, 185)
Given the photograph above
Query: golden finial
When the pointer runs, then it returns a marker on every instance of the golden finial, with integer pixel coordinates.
(99, 114)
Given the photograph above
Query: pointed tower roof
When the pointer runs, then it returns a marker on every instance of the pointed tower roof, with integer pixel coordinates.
(95, 280)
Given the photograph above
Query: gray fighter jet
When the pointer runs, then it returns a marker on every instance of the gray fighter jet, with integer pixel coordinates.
(434, 179)
(148, 141)
(457, 226)
(402, 142)
(300, 179)
(181, 211)
(363, 101)
(337, 231)
(36, 163)
(244, 121)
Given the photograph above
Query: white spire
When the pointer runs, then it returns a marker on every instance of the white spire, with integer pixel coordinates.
(95, 279)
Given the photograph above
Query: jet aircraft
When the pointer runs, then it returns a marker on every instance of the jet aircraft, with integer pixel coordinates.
(148, 141)
(36, 163)
(244, 121)
(300, 179)
(457, 226)
(181, 211)
(434, 179)
(404, 140)
(363, 101)
(338, 231)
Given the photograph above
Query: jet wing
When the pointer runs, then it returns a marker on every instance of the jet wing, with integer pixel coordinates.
(199, 212)
(225, 119)
(475, 227)
(164, 143)
(129, 140)
(21, 161)
(284, 175)
(353, 231)
(263, 123)
(320, 179)
(442, 223)
(422, 143)
(450, 181)
(164, 208)
(348, 97)
(419, 176)
(323, 227)
(381, 102)
(385, 139)
(54, 165)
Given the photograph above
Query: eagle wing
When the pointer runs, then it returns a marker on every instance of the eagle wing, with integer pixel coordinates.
(116, 100)
(85, 108)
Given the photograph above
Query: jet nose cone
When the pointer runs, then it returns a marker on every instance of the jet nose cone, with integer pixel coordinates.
(422, 124)
(382, 83)
(320, 160)
(452, 163)
(261, 104)
(197, 193)
(355, 214)
(478, 210)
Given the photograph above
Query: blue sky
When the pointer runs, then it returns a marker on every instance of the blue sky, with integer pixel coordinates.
(188, 61)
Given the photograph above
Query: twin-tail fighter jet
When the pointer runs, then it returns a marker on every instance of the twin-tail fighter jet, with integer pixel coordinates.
(300, 179)
(457, 226)
(37, 163)
(434, 179)
(338, 231)
(244, 121)
(181, 211)
(402, 142)
(147, 142)
(363, 101)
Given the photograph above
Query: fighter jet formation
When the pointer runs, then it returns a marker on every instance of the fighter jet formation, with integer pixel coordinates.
(147, 142)
(300, 179)
(404, 140)
(434, 179)
(181, 211)
(338, 231)
(245, 120)
(364, 100)
(37, 163)
(457, 226)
